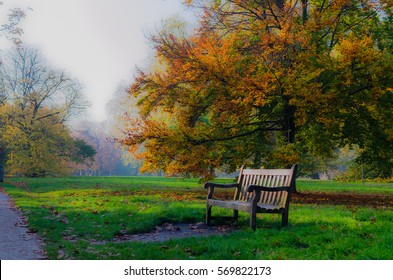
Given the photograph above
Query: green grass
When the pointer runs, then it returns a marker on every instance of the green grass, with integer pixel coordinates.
(330, 186)
(79, 218)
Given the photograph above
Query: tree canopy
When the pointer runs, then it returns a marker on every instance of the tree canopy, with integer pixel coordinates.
(38, 100)
(266, 82)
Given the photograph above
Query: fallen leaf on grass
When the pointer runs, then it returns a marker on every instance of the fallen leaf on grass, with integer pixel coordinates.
(64, 221)
(22, 222)
(71, 238)
(60, 254)
(113, 254)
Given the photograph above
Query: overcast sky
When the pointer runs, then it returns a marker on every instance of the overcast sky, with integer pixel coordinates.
(99, 42)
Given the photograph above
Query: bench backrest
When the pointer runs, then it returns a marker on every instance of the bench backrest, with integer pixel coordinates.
(266, 178)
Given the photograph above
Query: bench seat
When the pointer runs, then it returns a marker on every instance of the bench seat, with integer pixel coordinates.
(243, 205)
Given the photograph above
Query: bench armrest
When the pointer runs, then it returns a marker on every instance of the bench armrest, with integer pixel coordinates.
(257, 188)
(223, 186)
(211, 187)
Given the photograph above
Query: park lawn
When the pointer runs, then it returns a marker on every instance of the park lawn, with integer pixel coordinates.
(337, 186)
(80, 217)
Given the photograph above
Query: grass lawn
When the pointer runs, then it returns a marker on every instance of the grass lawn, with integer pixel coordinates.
(80, 217)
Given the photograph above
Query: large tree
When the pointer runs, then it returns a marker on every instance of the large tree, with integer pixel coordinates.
(267, 82)
(39, 99)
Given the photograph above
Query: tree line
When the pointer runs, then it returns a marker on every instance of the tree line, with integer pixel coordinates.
(39, 135)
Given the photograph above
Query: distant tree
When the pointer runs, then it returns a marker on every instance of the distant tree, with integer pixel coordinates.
(82, 156)
(38, 101)
(10, 31)
(108, 154)
(266, 83)
(82, 153)
(120, 109)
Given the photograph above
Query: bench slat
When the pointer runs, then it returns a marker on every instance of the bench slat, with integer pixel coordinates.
(267, 172)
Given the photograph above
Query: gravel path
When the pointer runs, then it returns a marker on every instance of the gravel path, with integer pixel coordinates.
(16, 242)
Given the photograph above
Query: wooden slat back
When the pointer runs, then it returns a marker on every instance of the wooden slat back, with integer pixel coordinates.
(266, 178)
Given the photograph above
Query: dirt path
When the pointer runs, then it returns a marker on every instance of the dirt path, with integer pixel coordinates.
(16, 243)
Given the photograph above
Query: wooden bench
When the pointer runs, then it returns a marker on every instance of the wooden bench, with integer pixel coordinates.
(257, 191)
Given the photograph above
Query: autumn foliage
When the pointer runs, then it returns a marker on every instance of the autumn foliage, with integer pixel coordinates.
(265, 83)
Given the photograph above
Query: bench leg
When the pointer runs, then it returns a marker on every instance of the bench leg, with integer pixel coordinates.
(253, 220)
(208, 214)
(235, 215)
(284, 221)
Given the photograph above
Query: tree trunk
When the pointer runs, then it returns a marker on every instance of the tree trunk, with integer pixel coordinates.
(290, 128)
(304, 11)
(2, 160)
(1, 173)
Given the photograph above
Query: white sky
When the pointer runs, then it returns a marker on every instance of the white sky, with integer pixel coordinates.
(99, 42)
